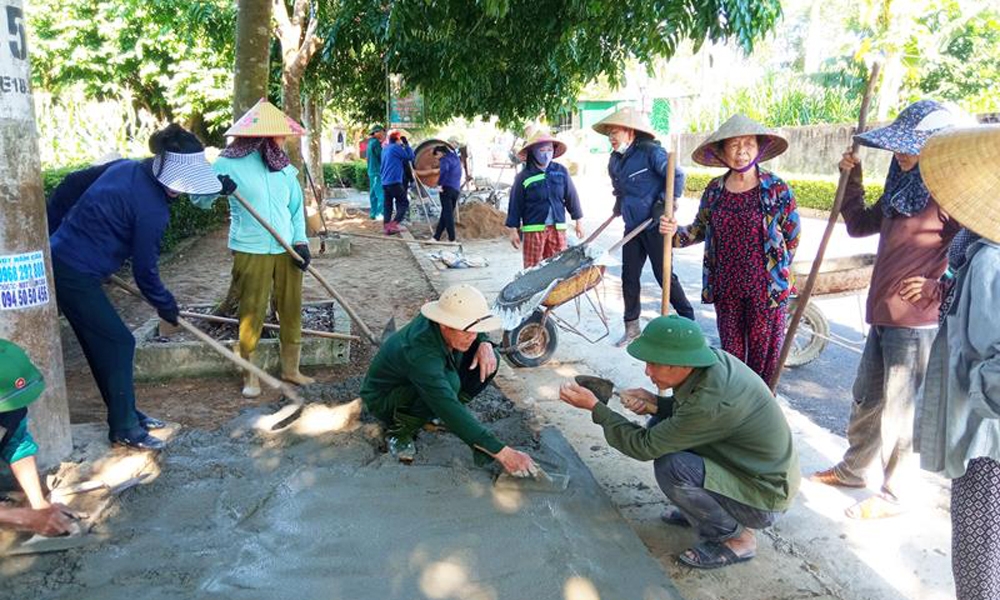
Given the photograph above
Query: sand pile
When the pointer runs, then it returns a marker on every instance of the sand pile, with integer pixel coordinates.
(480, 221)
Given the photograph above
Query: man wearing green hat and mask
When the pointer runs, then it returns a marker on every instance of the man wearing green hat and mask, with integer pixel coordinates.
(722, 451)
(20, 385)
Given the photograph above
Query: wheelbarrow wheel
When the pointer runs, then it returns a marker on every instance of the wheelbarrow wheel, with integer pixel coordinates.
(532, 343)
(810, 339)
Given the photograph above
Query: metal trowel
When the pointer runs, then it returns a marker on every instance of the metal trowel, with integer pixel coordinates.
(541, 481)
(604, 389)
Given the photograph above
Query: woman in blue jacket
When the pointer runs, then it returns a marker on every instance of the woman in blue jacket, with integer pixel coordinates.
(541, 195)
(121, 216)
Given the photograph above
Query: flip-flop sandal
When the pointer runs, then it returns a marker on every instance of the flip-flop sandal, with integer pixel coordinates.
(673, 516)
(711, 555)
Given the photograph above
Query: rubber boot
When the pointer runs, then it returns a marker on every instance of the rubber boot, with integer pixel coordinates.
(290, 354)
(632, 331)
(251, 385)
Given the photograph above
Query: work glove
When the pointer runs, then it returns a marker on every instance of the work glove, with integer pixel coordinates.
(228, 185)
(303, 251)
(170, 314)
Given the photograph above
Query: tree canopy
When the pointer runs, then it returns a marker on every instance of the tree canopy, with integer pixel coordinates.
(514, 59)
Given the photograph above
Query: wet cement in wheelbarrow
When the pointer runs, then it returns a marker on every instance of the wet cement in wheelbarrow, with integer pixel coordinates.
(318, 511)
(532, 281)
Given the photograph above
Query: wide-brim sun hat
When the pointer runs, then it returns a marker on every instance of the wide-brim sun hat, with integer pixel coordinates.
(707, 153)
(462, 307)
(541, 137)
(21, 383)
(186, 173)
(674, 341)
(627, 117)
(913, 127)
(265, 120)
(961, 168)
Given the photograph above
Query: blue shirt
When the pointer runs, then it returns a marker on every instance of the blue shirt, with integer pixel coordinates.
(275, 195)
(542, 197)
(393, 157)
(638, 177)
(451, 171)
(122, 215)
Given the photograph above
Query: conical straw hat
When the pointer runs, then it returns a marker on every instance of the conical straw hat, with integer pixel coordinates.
(738, 125)
(541, 137)
(961, 168)
(626, 117)
(265, 120)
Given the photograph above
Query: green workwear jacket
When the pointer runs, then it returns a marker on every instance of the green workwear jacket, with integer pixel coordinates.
(725, 414)
(416, 361)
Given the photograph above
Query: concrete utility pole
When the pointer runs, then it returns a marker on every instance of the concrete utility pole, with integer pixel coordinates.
(28, 315)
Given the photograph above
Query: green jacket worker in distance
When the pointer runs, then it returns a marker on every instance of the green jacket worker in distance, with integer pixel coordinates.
(722, 451)
(432, 368)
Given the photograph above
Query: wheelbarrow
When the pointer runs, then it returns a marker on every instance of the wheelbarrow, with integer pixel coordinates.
(838, 277)
(526, 305)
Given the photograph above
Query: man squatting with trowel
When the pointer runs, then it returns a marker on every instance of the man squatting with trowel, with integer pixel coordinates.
(430, 369)
(722, 451)
(21, 384)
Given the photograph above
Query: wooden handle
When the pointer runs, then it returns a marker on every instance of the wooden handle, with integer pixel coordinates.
(599, 230)
(312, 332)
(312, 270)
(668, 241)
(241, 362)
(838, 201)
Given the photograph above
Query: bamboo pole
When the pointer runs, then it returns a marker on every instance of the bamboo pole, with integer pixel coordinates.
(838, 202)
(312, 332)
(668, 241)
(311, 269)
(272, 382)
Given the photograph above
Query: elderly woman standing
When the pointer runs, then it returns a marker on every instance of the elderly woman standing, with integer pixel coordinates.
(958, 425)
(542, 193)
(256, 163)
(749, 223)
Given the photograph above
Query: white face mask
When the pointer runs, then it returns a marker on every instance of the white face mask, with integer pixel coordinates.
(543, 155)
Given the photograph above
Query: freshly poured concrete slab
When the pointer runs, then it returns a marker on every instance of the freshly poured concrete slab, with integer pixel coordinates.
(320, 512)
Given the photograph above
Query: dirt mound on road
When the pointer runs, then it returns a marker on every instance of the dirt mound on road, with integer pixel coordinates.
(480, 221)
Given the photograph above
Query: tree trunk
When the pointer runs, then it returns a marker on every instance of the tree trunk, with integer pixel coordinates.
(316, 192)
(299, 42)
(253, 44)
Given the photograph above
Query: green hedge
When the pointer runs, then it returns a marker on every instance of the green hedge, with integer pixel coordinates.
(351, 174)
(810, 191)
(186, 219)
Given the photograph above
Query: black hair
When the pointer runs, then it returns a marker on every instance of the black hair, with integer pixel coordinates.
(174, 138)
(441, 149)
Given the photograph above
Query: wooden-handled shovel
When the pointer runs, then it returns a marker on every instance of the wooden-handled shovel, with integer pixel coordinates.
(838, 201)
(312, 270)
(278, 419)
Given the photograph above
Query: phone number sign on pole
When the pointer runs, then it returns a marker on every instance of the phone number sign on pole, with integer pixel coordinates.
(23, 281)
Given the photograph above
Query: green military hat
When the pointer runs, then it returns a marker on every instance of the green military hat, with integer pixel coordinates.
(674, 341)
(20, 381)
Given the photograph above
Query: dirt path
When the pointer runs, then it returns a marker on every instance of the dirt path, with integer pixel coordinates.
(378, 279)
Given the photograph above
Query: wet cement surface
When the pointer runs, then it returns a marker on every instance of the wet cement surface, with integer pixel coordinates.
(319, 511)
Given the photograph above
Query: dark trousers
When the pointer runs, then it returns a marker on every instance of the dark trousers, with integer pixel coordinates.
(681, 476)
(649, 243)
(395, 193)
(107, 343)
(449, 199)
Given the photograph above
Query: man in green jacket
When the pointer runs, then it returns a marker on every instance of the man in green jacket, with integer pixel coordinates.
(721, 449)
(430, 369)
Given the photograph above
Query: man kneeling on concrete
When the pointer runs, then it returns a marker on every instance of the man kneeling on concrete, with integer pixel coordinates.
(430, 369)
(721, 449)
